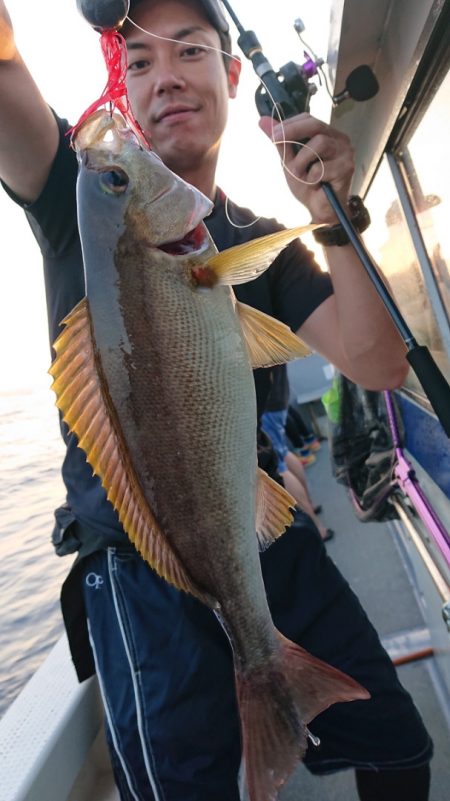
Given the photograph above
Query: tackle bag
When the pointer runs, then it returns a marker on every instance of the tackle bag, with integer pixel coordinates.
(362, 449)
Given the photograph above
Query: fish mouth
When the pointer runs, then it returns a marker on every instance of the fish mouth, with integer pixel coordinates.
(189, 244)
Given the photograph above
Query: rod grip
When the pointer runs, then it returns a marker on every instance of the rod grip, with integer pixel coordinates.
(435, 385)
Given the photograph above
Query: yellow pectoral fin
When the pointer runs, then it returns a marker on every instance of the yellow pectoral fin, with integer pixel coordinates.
(268, 340)
(273, 510)
(83, 401)
(243, 263)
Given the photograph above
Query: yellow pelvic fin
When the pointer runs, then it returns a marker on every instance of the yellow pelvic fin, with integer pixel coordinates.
(83, 399)
(273, 510)
(268, 340)
(243, 263)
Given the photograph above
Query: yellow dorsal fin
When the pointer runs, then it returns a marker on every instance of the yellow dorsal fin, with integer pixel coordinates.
(243, 263)
(268, 340)
(273, 505)
(81, 397)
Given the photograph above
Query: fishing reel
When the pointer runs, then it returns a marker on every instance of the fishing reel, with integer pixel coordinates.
(288, 91)
(284, 93)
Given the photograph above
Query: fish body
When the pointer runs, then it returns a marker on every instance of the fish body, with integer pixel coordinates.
(154, 374)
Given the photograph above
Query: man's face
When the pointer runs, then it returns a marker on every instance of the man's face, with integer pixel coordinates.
(178, 92)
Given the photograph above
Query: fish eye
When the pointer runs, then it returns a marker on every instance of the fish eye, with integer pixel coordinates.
(114, 181)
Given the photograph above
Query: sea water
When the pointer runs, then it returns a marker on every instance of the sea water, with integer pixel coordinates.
(31, 487)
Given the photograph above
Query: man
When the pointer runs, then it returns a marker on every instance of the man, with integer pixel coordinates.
(162, 660)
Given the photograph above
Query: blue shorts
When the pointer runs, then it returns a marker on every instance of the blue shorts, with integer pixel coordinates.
(166, 674)
(273, 424)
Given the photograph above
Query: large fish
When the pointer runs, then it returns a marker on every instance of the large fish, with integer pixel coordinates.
(153, 373)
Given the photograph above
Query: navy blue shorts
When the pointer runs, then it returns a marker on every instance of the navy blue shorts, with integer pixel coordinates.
(166, 674)
(273, 424)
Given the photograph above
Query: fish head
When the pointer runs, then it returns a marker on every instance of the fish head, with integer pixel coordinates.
(121, 185)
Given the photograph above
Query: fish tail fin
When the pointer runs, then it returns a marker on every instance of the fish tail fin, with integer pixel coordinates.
(275, 704)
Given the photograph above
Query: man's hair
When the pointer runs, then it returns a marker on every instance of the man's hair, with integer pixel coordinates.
(213, 13)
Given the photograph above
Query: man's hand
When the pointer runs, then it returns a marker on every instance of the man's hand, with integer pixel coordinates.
(7, 44)
(304, 172)
(29, 134)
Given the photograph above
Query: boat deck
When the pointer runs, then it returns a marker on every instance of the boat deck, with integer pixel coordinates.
(370, 556)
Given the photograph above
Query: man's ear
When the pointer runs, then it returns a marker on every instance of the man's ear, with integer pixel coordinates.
(234, 71)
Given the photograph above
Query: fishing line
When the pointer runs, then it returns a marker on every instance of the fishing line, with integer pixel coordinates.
(283, 141)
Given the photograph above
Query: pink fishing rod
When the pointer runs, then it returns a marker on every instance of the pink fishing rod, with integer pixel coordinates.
(405, 478)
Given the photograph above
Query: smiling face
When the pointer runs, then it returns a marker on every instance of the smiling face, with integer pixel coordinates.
(179, 92)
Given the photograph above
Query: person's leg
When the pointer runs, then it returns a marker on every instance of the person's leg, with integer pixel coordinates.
(298, 421)
(409, 784)
(303, 502)
(292, 431)
(294, 465)
(166, 675)
(312, 605)
(300, 436)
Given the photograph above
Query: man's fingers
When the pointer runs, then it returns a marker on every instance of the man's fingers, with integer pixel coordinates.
(327, 156)
(320, 147)
(325, 143)
(321, 160)
(337, 172)
(274, 131)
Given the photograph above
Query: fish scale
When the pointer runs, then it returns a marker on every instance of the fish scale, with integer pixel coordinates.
(174, 405)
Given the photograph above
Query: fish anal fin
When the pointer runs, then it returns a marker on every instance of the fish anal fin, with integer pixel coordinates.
(242, 263)
(273, 510)
(85, 407)
(276, 703)
(269, 341)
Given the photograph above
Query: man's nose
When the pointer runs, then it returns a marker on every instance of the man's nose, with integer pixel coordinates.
(168, 80)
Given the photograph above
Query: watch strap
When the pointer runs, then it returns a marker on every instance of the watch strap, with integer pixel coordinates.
(334, 235)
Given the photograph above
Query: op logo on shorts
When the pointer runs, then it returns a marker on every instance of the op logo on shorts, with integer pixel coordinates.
(93, 580)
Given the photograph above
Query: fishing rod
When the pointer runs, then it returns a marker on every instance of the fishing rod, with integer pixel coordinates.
(286, 93)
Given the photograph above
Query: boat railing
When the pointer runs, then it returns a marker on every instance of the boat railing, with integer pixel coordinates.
(47, 731)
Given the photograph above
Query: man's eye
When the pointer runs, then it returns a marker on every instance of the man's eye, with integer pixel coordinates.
(195, 50)
(141, 64)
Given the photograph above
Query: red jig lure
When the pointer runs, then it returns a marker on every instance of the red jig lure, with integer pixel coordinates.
(115, 92)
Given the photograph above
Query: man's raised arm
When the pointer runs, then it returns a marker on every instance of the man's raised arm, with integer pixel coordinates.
(28, 130)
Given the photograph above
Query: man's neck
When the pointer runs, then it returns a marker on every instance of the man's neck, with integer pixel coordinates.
(201, 174)
(205, 182)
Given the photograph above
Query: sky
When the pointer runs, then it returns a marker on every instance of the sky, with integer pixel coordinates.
(63, 54)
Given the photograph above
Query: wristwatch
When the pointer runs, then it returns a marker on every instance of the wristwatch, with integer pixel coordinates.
(331, 235)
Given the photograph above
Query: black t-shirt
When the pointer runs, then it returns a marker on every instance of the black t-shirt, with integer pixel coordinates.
(278, 397)
(290, 290)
